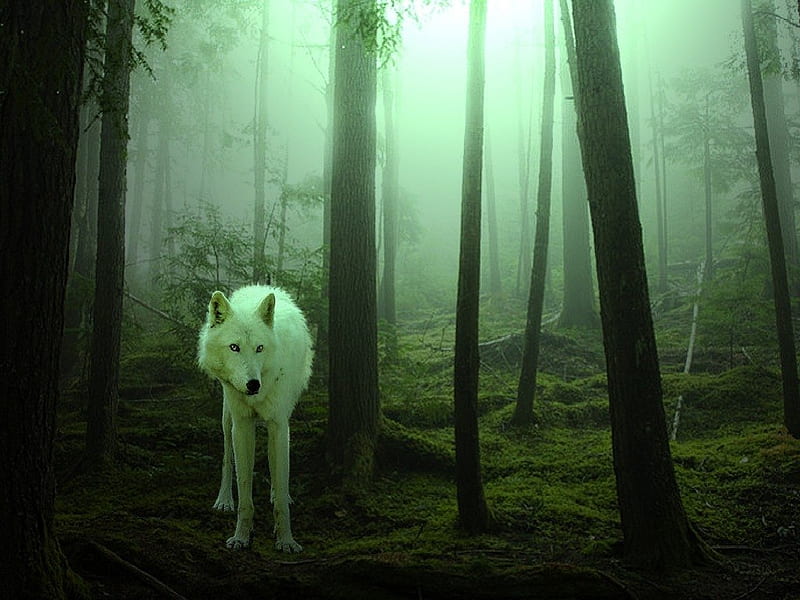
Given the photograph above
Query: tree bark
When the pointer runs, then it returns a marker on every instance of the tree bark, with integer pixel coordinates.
(354, 404)
(526, 388)
(769, 197)
(578, 308)
(473, 513)
(42, 46)
(655, 528)
(110, 264)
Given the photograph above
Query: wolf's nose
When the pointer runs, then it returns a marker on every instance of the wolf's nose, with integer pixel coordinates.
(252, 386)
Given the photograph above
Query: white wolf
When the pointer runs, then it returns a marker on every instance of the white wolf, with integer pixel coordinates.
(258, 346)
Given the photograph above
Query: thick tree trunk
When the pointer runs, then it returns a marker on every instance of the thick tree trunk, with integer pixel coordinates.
(473, 513)
(110, 265)
(43, 48)
(769, 197)
(578, 308)
(354, 404)
(526, 388)
(654, 524)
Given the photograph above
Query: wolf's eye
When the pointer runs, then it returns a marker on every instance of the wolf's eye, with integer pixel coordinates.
(260, 348)
(234, 347)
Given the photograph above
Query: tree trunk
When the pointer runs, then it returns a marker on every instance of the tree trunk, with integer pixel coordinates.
(354, 404)
(137, 201)
(390, 200)
(473, 513)
(657, 164)
(524, 176)
(260, 151)
(654, 524)
(769, 197)
(83, 238)
(157, 214)
(708, 195)
(780, 152)
(110, 265)
(578, 307)
(321, 350)
(43, 46)
(86, 244)
(526, 389)
(495, 284)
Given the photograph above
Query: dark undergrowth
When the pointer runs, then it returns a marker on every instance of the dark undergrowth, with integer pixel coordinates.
(550, 488)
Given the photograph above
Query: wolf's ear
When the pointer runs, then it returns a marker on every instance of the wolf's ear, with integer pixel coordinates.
(218, 309)
(266, 310)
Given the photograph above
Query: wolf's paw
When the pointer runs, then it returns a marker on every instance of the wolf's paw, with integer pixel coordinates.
(224, 504)
(289, 546)
(237, 543)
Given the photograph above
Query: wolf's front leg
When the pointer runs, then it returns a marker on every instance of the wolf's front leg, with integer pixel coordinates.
(225, 496)
(244, 444)
(279, 473)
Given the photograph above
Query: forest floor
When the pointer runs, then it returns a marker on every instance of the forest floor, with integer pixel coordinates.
(144, 528)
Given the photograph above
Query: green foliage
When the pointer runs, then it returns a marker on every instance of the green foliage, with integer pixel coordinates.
(379, 23)
(706, 103)
(151, 22)
(213, 254)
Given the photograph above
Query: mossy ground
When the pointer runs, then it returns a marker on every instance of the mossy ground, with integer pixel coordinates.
(550, 488)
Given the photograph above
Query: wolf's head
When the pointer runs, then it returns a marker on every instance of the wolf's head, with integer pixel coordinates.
(235, 343)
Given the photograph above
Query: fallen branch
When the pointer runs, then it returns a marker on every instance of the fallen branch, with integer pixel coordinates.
(157, 311)
(690, 350)
(161, 587)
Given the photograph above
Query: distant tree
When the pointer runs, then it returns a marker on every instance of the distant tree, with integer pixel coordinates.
(83, 240)
(136, 204)
(473, 513)
(390, 192)
(41, 52)
(769, 197)
(779, 138)
(260, 148)
(495, 283)
(656, 530)
(578, 308)
(657, 171)
(110, 264)
(524, 140)
(526, 388)
(709, 142)
(158, 211)
(354, 403)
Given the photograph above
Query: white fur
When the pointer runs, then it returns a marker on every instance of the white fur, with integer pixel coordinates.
(267, 317)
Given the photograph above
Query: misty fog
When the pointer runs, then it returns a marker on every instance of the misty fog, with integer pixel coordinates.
(205, 81)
